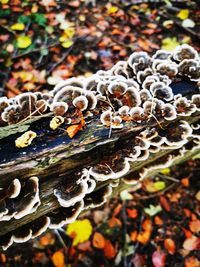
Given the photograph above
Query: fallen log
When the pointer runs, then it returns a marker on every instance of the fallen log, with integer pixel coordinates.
(63, 152)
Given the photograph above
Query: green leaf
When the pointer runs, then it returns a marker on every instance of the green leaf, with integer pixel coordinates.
(40, 19)
(23, 19)
(4, 13)
(23, 41)
(159, 185)
(152, 210)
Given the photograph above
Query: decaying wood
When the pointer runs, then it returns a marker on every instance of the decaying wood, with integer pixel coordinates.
(56, 158)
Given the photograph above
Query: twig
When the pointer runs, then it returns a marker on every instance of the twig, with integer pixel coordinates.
(62, 59)
(60, 239)
(188, 30)
(156, 194)
(124, 217)
(168, 178)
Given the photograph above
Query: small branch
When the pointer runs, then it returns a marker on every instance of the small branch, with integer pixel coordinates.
(157, 194)
(168, 178)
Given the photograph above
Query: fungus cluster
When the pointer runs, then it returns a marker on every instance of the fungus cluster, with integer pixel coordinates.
(19, 199)
(143, 92)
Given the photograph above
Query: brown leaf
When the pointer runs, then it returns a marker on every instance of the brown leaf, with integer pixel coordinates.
(164, 203)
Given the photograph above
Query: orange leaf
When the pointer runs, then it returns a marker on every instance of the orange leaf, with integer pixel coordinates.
(192, 262)
(195, 226)
(133, 236)
(187, 212)
(3, 257)
(117, 210)
(143, 237)
(164, 203)
(58, 259)
(73, 130)
(147, 225)
(193, 217)
(170, 245)
(132, 213)
(114, 222)
(98, 240)
(187, 233)
(109, 250)
(185, 182)
(158, 220)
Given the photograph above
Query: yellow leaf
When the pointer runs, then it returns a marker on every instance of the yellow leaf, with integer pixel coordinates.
(112, 9)
(18, 27)
(4, 1)
(183, 14)
(67, 44)
(69, 33)
(80, 230)
(169, 44)
(23, 41)
(165, 171)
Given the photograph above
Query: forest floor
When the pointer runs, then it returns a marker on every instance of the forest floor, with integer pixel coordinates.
(44, 42)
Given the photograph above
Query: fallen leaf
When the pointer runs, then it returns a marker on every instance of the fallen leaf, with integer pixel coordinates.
(125, 195)
(164, 203)
(98, 240)
(143, 237)
(18, 27)
(114, 222)
(132, 213)
(195, 226)
(112, 9)
(165, 171)
(169, 44)
(67, 44)
(80, 231)
(74, 129)
(160, 185)
(158, 220)
(170, 245)
(191, 243)
(183, 14)
(117, 210)
(133, 235)
(23, 41)
(158, 258)
(188, 23)
(192, 262)
(58, 259)
(85, 246)
(109, 250)
(152, 210)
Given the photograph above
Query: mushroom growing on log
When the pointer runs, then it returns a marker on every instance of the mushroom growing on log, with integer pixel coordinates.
(66, 151)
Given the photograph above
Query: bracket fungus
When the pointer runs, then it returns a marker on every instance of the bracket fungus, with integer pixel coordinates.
(138, 117)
